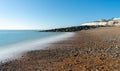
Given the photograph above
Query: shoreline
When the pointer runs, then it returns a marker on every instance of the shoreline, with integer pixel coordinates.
(89, 50)
(15, 51)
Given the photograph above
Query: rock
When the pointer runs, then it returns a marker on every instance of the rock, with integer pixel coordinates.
(70, 69)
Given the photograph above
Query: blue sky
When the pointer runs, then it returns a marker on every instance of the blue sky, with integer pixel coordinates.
(46, 14)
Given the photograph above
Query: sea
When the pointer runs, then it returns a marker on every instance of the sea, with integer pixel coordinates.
(8, 37)
(14, 43)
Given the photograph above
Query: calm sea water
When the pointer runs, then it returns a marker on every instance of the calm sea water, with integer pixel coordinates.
(8, 37)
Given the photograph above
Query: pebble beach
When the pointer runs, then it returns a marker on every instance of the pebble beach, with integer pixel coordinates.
(88, 50)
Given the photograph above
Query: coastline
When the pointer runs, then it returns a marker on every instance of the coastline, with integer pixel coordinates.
(89, 50)
(15, 51)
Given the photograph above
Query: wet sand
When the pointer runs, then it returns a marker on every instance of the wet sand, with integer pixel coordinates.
(89, 50)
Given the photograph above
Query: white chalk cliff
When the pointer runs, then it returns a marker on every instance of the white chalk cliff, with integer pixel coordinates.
(103, 22)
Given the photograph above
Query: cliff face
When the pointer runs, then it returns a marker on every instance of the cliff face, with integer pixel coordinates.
(94, 23)
(117, 21)
(111, 22)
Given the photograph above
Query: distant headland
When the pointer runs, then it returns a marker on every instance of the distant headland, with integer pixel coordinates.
(89, 25)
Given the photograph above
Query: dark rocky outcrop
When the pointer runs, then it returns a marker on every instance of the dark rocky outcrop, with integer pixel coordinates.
(71, 29)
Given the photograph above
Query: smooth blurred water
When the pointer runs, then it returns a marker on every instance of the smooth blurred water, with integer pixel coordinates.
(14, 43)
(13, 36)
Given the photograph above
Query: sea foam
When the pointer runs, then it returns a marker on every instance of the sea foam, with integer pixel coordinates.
(12, 51)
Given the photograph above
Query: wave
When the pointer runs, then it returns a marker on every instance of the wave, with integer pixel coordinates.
(13, 51)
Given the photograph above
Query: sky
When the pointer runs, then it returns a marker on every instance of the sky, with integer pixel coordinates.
(47, 14)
